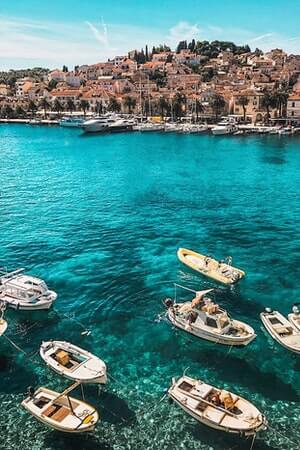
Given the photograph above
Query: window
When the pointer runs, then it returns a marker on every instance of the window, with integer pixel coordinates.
(293, 104)
(211, 322)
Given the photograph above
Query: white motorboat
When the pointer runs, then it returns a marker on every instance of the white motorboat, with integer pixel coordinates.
(282, 330)
(224, 127)
(73, 362)
(294, 316)
(287, 131)
(150, 127)
(60, 411)
(25, 292)
(71, 122)
(3, 323)
(206, 320)
(97, 124)
(217, 408)
(171, 128)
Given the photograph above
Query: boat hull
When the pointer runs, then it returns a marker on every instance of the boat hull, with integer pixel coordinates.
(195, 261)
(203, 334)
(3, 326)
(275, 336)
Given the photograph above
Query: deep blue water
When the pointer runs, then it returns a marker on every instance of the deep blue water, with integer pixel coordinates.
(100, 219)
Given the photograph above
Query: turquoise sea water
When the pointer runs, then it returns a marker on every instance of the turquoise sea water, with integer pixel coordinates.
(100, 219)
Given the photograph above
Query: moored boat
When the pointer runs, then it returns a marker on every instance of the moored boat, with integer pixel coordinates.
(3, 323)
(205, 319)
(60, 411)
(71, 122)
(73, 362)
(294, 316)
(217, 408)
(224, 128)
(221, 271)
(25, 292)
(281, 330)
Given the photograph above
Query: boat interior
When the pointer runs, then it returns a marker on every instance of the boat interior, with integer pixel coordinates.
(67, 359)
(281, 329)
(57, 410)
(213, 397)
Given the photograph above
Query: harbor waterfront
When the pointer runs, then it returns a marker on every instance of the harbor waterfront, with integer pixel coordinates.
(100, 218)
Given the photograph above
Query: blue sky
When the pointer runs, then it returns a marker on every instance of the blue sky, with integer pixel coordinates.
(40, 33)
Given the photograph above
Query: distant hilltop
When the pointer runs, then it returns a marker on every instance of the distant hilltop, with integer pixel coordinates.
(201, 78)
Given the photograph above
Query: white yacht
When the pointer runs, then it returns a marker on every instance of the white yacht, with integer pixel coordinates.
(205, 319)
(97, 124)
(71, 122)
(25, 292)
(148, 127)
(224, 127)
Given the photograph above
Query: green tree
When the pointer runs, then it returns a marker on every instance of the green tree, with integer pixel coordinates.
(7, 111)
(199, 108)
(52, 85)
(32, 107)
(178, 104)
(129, 103)
(280, 98)
(84, 105)
(70, 105)
(217, 104)
(163, 106)
(44, 104)
(20, 111)
(268, 101)
(58, 106)
(243, 102)
(114, 105)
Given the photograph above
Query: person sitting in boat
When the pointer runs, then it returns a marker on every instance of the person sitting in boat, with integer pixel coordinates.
(227, 400)
(198, 302)
(216, 400)
(192, 317)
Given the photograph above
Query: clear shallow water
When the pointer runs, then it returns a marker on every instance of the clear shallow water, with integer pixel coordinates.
(100, 218)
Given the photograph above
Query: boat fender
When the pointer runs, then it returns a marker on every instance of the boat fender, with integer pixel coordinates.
(168, 303)
(17, 306)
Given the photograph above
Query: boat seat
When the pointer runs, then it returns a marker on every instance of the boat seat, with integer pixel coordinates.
(50, 410)
(201, 406)
(283, 330)
(61, 414)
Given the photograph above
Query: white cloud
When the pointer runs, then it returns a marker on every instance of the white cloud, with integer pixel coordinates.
(183, 31)
(261, 37)
(100, 33)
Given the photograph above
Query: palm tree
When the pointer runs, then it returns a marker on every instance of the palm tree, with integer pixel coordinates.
(281, 97)
(70, 105)
(20, 111)
(32, 107)
(58, 106)
(243, 102)
(7, 111)
(179, 101)
(217, 104)
(114, 105)
(84, 105)
(268, 101)
(199, 108)
(163, 106)
(44, 104)
(129, 103)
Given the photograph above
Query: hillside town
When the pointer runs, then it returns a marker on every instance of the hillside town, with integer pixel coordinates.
(199, 79)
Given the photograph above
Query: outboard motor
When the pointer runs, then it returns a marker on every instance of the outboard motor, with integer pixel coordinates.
(295, 309)
(30, 391)
(168, 303)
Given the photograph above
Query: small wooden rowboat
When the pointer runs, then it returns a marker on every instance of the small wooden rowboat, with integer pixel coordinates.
(223, 272)
(217, 408)
(61, 412)
(281, 330)
(73, 362)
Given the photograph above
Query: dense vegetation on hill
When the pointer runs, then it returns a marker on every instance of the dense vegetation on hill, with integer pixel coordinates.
(11, 76)
(213, 48)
